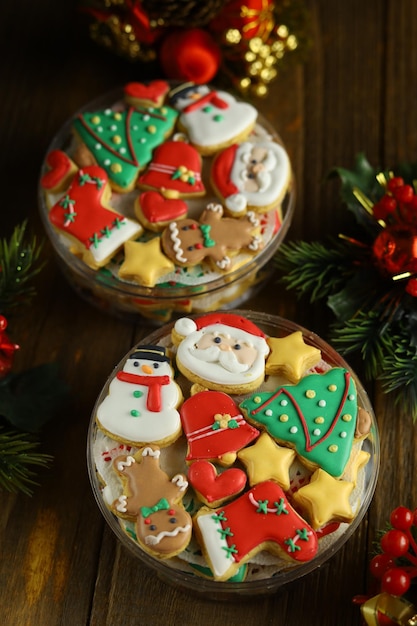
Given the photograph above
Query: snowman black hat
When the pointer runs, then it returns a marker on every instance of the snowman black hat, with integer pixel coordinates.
(150, 353)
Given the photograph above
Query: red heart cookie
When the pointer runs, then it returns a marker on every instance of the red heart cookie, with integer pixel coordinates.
(214, 487)
(60, 168)
(153, 92)
(155, 209)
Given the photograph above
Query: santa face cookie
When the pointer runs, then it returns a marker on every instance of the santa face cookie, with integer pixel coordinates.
(253, 175)
(212, 119)
(141, 406)
(221, 351)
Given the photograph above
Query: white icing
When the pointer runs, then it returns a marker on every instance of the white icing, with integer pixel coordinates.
(122, 504)
(204, 130)
(184, 326)
(122, 464)
(153, 540)
(176, 243)
(181, 483)
(108, 245)
(272, 183)
(214, 544)
(214, 372)
(114, 413)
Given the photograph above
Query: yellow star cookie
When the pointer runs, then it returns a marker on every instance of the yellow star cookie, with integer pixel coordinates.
(357, 460)
(325, 499)
(145, 262)
(267, 461)
(291, 356)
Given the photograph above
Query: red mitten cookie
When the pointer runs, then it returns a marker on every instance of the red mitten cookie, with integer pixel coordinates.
(214, 488)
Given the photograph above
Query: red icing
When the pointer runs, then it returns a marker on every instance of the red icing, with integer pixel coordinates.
(212, 486)
(221, 170)
(59, 164)
(155, 90)
(250, 528)
(154, 400)
(209, 98)
(156, 208)
(92, 218)
(163, 170)
(229, 319)
(198, 418)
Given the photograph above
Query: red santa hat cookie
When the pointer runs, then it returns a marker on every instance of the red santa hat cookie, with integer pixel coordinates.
(221, 351)
(253, 175)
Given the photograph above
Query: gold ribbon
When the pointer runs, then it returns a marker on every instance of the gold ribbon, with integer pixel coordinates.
(400, 611)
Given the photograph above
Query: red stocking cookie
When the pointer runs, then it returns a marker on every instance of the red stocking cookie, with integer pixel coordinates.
(96, 230)
(261, 519)
(153, 500)
(213, 237)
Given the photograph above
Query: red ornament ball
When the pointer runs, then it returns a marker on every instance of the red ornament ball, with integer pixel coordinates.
(190, 55)
(395, 249)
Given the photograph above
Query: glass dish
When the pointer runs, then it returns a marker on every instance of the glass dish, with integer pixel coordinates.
(177, 571)
(195, 290)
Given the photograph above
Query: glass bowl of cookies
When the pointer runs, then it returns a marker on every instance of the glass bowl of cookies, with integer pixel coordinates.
(162, 200)
(233, 452)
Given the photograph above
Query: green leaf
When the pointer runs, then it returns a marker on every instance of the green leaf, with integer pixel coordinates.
(30, 399)
(18, 455)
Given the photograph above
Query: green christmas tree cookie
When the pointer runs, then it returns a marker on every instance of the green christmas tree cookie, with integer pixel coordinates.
(317, 417)
(122, 141)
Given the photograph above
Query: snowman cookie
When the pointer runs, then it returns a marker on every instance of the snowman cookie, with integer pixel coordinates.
(212, 119)
(141, 406)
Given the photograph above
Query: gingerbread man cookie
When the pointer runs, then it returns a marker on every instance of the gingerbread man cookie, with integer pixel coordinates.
(154, 501)
(83, 214)
(213, 237)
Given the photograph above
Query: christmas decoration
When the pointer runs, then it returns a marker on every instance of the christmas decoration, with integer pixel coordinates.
(245, 41)
(369, 279)
(28, 399)
(393, 568)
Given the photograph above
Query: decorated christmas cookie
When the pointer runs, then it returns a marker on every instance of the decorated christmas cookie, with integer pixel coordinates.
(175, 169)
(221, 351)
(122, 142)
(317, 417)
(291, 356)
(152, 94)
(253, 175)
(212, 119)
(154, 211)
(145, 262)
(214, 427)
(214, 488)
(163, 526)
(83, 214)
(142, 403)
(261, 519)
(213, 238)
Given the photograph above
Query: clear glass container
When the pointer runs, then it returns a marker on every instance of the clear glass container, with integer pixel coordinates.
(195, 291)
(274, 575)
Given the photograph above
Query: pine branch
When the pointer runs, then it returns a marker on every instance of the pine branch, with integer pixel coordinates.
(315, 268)
(17, 456)
(18, 259)
(365, 334)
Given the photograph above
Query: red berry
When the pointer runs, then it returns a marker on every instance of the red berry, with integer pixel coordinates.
(380, 564)
(411, 289)
(402, 518)
(394, 182)
(385, 206)
(395, 542)
(404, 193)
(395, 581)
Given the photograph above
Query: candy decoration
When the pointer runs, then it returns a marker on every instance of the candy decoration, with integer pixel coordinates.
(317, 417)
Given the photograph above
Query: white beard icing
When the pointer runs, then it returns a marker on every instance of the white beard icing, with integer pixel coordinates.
(226, 359)
(215, 372)
(273, 181)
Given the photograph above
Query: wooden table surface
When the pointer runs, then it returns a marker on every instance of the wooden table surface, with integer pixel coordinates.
(60, 564)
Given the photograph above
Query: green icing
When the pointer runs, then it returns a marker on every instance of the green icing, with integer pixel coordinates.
(122, 142)
(317, 416)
